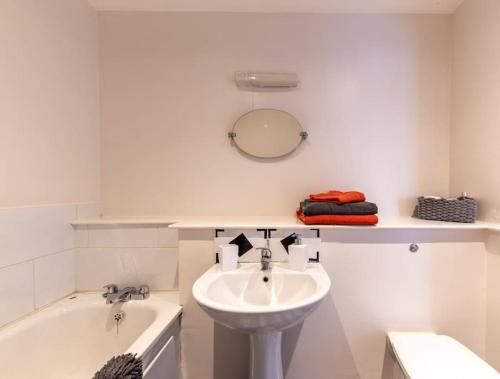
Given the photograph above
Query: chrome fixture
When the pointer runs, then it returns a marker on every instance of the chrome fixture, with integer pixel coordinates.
(119, 317)
(114, 295)
(265, 259)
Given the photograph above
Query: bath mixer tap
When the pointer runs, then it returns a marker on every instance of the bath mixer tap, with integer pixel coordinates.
(114, 295)
(265, 259)
(122, 295)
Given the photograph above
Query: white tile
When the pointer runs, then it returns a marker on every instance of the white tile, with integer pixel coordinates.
(249, 233)
(282, 233)
(253, 255)
(314, 246)
(88, 210)
(54, 277)
(29, 233)
(81, 236)
(279, 253)
(168, 237)
(122, 236)
(156, 267)
(16, 291)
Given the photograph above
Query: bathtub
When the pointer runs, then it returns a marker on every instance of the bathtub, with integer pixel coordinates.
(74, 337)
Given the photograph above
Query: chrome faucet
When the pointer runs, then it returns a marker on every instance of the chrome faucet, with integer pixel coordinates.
(265, 259)
(114, 295)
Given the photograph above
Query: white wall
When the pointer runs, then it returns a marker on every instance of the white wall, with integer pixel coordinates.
(375, 98)
(475, 133)
(377, 286)
(49, 113)
(493, 301)
(475, 153)
(49, 146)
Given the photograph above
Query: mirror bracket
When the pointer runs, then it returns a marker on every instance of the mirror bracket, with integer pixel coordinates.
(232, 135)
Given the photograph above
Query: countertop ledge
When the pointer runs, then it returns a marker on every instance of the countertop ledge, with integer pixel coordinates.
(277, 222)
(108, 220)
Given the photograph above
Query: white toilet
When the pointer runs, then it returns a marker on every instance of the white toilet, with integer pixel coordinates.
(426, 355)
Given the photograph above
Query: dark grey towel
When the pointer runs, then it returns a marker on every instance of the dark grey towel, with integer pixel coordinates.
(316, 208)
(125, 366)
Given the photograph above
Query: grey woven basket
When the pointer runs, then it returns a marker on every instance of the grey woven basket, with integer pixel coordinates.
(447, 210)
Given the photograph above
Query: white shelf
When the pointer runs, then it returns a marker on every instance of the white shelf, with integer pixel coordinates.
(278, 222)
(289, 222)
(124, 221)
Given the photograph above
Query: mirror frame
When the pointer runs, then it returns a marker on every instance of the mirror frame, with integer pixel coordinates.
(303, 134)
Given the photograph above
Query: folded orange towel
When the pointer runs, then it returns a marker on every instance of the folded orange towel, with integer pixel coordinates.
(338, 197)
(338, 219)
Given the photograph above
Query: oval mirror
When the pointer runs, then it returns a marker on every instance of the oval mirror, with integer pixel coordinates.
(267, 133)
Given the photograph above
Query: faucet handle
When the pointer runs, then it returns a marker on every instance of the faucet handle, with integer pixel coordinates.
(143, 289)
(110, 288)
(141, 292)
(265, 251)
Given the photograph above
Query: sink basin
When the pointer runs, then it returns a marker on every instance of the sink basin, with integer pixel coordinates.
(262, 304)
(242, 300)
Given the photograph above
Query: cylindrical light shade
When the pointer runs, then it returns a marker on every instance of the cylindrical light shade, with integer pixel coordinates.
(247, 79)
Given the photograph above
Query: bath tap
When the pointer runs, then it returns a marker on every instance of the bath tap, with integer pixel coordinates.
(114, 295)
(122, 295)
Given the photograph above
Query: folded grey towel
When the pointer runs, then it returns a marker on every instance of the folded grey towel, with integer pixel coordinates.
(316, 208)
(125, 366)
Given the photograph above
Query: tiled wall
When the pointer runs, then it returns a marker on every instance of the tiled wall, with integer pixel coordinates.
(256, 238)
(126, 255)
(37, 256)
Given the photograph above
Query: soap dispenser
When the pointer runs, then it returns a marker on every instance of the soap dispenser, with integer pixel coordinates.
(298, 255)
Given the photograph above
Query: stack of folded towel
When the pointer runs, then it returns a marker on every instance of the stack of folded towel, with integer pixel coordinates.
(338, 208)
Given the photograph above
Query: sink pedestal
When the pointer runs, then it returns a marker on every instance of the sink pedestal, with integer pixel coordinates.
(265, 350)
(262, 306)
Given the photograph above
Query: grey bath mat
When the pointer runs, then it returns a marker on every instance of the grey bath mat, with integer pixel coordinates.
(125, 366)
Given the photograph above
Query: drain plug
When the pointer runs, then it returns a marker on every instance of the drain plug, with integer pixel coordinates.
(119, 317)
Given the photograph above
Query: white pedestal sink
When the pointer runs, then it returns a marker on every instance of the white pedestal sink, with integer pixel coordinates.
(244, 301)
